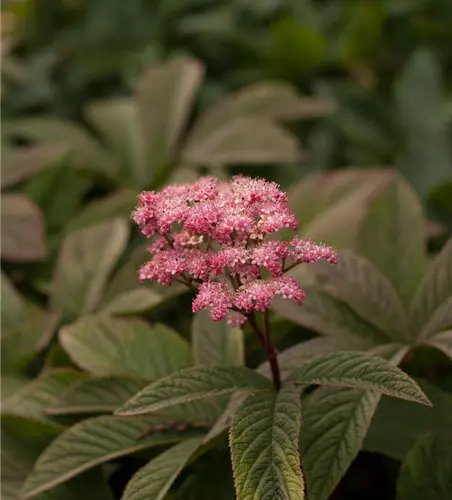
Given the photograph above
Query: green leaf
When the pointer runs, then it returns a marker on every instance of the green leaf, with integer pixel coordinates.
(420, 107)
(434, 291)
(244, 140)
(263, 440)
(153, 481)
(104, 346)
(443, 342)
(134, 301)
(23, 234)
(86, 260)
(191, 384)
(361, 371)
(97, 395)
(387, 422)
(93, 442)
(441, 319)
(355, 281)
(426, 472)
(216, 343)
(13, 304)
(392, 236)
(335, 422)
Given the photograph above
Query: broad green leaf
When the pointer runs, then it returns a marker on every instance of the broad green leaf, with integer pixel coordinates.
(434, 291)
(360, 371)
(392, 236)
(13, 304)
(335, 422)
(11, 383)
(93, 442)
(355, 281)
(387, 422)
(441, 319)
(86, 260)
(263, 440)
(421, 110)
(153, 481)
(245, 140)
(134, 301)
(191, 384)
(97, 395)
(443, 342)
(426, 472)
(328, 315)
(262, 100)
(23, 234)
(164, 96)
(104, 345)
(216, 343)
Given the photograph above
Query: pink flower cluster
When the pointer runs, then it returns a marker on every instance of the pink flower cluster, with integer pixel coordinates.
(214, 237)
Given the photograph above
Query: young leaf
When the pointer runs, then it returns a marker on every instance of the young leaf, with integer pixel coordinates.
(92, 442)
(335, 422)
(392, 237)
(443, 342)
(104, 345)
(191, 384)
(360, 371)
(216, 343)
(435, 289)
(263, 441)
(426, 473)
(85, 262)
(153, 481)
(355, 281)
(22, 229)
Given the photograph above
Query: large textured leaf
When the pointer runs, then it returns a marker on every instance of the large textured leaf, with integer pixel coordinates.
(164, 97)
(392, 237)
(387, 422)
(434, 291)
(355, 281)
(420, 107)
(328, 315)
(361, 371)
(22, 229)
(426, 473)
(92, 442)
(104, 345)
(85, 262)
(192, 384)
(263, 100)
(245, 140)
(443, 342)
(264, 447)
(216, 343)
(153, 481)
(134, 301)
(335, 422)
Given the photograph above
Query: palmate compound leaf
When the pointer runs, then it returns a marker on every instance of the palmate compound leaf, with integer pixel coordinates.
(426, 473)
(335, 422)
(93, 442)
(191, 384)
(153, 481)
(263, 440)
(104, 345)
(86, 259)
(359, 371)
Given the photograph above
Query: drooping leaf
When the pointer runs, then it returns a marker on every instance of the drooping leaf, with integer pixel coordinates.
(245, 140)
(355, 281)
(387, 422)
(216, 343)
(443, 342)
(392, 237)
(263, 440)
(361, 371)
(22, 229)
(85, 262)
(426, 472)
(104, 345)
(153, 481)
(335, 422)
(420, 107)
(92, 442)
(435, 289)
(191, 384)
